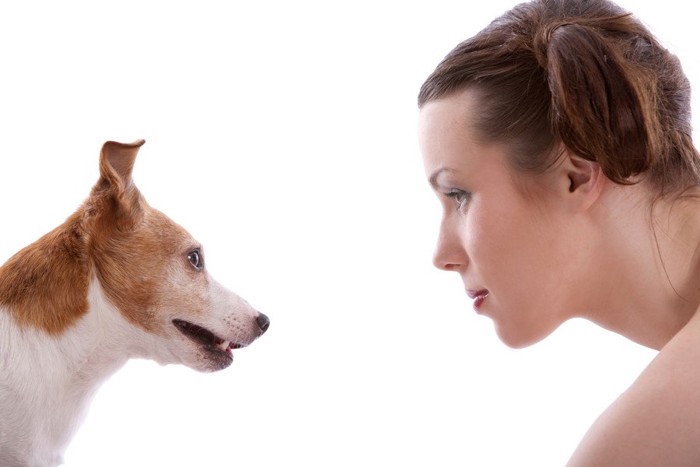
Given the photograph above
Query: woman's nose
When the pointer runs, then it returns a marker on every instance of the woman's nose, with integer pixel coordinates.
(450, 254)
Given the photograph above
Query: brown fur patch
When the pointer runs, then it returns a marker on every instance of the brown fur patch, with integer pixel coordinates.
(45, 284)
(133, 265)
(132, 245)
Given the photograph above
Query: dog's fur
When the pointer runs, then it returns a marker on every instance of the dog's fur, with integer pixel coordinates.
(117, 280)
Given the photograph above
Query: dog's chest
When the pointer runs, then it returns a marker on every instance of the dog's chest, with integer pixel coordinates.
(46, 385)
(41, 404)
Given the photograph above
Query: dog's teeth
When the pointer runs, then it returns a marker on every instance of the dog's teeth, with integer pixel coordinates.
(223, 345)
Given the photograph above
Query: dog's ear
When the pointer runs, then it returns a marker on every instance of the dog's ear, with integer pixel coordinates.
(116, 185)
(117, 162)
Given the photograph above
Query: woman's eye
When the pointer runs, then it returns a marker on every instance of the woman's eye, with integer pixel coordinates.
(460, 197)
(195, 259)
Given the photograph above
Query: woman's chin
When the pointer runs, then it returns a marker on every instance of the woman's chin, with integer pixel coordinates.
(517, 337)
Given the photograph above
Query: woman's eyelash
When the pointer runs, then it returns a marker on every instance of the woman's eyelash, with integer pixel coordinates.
(461, 197)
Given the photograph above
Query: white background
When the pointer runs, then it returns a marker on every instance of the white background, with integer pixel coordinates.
(282, 135)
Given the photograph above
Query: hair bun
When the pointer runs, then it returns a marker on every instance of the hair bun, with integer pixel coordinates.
(602, 106)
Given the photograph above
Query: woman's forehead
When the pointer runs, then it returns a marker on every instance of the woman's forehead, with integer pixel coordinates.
(447, 137)
(444, 123)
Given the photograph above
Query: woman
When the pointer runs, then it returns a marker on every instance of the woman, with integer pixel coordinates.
(558, 140)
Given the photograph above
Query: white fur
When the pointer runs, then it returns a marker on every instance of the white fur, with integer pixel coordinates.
(47, 383)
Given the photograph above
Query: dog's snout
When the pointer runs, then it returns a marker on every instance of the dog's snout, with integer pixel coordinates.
(263, 322)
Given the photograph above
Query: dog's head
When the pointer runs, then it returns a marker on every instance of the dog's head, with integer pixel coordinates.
(154, 272)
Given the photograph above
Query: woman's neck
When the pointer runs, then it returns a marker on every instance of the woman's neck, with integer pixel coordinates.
(647, 271)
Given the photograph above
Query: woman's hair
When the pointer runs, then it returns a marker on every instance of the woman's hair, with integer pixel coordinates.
(584, 73)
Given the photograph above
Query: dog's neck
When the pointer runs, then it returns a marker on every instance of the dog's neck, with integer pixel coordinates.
(47, 381)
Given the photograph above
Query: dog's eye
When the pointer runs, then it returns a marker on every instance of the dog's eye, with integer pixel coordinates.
(195, 259)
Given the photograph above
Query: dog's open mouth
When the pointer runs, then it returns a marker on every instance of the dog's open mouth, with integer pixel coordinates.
(209, 341)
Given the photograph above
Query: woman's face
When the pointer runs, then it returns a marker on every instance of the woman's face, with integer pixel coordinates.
(510, 248)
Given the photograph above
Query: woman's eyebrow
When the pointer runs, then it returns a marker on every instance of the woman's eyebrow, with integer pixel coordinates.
(433, 178)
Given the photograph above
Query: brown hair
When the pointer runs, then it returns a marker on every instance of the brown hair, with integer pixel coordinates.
(582, 72)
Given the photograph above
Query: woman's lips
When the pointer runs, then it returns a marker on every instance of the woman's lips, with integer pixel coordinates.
(478, 296)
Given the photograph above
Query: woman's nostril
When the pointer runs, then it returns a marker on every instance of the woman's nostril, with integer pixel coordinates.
(263, 322)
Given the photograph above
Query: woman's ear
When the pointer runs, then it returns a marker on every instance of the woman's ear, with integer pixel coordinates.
(582, 179)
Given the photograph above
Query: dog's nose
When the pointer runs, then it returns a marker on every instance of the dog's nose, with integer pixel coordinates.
(263, 322)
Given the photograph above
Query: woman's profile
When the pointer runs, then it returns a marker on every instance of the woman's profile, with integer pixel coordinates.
(558, 140)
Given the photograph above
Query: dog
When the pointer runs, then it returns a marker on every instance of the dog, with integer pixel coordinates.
(117, 280)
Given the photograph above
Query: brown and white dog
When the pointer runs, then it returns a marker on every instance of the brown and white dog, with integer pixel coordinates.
(117, 280)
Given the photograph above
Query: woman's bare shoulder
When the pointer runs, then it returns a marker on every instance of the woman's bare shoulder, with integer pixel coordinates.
(656, 422)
